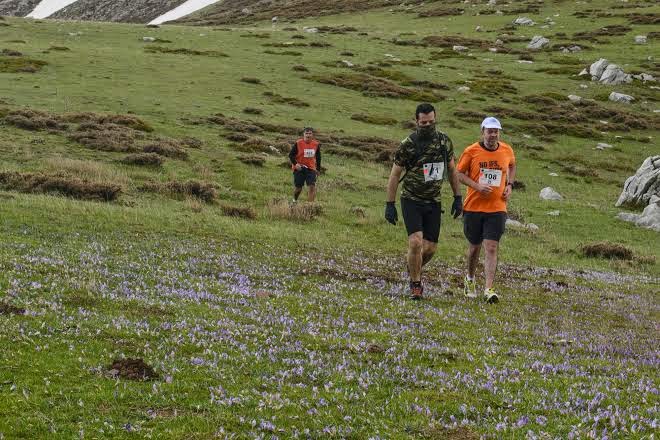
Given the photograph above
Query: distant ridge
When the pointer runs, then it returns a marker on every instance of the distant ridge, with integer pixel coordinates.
(127, 11)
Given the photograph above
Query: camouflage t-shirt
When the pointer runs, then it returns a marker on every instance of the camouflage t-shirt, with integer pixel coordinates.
(425, 162)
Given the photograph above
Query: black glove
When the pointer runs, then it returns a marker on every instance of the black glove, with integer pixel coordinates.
(390, 213)
(457, 206)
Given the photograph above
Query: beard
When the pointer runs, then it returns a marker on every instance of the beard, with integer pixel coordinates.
(491, 143)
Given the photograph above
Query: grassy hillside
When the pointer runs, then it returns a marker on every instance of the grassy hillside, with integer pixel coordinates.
(144, 216)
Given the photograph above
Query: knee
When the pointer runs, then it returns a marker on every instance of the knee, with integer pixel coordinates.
(415, 243)
(490, 247)
(429, 248)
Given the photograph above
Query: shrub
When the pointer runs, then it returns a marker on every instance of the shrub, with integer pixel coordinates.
(183, 51)
(143, 159)
(201, 190)
(19, 64)
(302, 211)
(106, 140)
(373, 119)
(252, 111)
(167, 148)
(238, 211)
(252, 159)
(59, 183)
(607, 250)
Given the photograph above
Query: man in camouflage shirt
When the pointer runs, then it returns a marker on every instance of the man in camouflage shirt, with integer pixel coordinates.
(427, 157)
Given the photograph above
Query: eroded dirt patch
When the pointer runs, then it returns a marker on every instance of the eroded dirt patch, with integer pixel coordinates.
(132, 369)
(8, 309)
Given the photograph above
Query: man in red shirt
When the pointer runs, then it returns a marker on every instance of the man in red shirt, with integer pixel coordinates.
(305, 157)
(488, 169)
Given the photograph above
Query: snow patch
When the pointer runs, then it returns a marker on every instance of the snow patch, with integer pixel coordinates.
(46, 8)
(182, 10)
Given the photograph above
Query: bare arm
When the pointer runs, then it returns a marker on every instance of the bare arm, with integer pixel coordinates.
(512, 172)
(393, 182)
(511, 178)
(454, 178)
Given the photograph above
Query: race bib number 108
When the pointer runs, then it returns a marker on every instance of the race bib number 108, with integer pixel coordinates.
(490, 177)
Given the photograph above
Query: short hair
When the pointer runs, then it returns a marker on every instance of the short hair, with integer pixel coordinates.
(308, 129)
(424, 108)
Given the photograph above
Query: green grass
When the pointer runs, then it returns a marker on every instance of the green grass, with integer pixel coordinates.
(179, 284)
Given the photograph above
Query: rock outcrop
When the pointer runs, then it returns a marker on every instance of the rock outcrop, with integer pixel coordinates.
(643, 186)
(649, 218)
(620, 97)
(129, 11)
(607, 73)
(19, 8)
(538, 42)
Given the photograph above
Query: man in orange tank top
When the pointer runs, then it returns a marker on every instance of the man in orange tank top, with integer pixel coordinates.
(305, 157)
(488, 169)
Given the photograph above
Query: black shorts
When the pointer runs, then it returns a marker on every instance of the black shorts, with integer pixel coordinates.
(480, 226)
(422, 216)
(304, 175)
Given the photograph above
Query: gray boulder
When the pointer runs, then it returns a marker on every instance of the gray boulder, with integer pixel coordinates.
(643, 186)
(574, 98)
(640, 39)
(515, 224)
(538, 42)
(523, 21)
(649, 218)
(644, 77)
(620, 97)
(628, 216)
(550, 194)
(614, 75)
(597, 68)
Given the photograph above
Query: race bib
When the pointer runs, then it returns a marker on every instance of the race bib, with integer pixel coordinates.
(309, 152)
(490, 177)
(433, 171)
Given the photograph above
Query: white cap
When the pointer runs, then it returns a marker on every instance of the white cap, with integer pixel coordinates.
(491, 122)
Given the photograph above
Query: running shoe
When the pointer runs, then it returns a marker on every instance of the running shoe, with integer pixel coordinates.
(490, 296)
(416, 291)
(470, 288)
